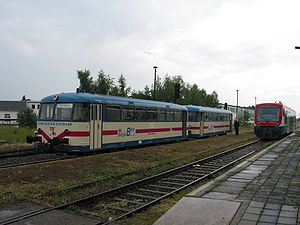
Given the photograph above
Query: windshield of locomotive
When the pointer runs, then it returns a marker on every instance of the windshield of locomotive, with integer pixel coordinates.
(268, 113)
(64, 111)
(46, 111)
(60, 111)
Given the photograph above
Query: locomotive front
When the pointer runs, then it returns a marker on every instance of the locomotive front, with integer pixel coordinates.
(268, 121)
(63, 125)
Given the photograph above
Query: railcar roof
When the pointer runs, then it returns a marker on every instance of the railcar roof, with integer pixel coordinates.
(194, 108)
(107, 99)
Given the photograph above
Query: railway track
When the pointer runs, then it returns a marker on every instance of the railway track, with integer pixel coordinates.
(18, 152)
(27, 156)
(120, 202)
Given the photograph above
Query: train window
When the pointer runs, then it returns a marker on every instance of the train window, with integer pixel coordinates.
(197, 116)
(113, 113)
(81, 112)
(46, 111)
(63, 111)
(206, 118)
(128, 113)
(161, 115)
(194, 116)
(170, 115)
(151, 114)
(177, 115)
(191, 115)
(140, 114)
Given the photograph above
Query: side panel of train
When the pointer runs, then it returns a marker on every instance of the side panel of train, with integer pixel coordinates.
(82, 122)
(123, 134)
(208, 121)
(102, 126)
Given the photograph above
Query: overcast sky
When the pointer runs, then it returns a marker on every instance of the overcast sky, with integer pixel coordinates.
(220, 45)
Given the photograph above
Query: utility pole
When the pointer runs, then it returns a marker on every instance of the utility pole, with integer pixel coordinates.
(237, 104)
(154, 85)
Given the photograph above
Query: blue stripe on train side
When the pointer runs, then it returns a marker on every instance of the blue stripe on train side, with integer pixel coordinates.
(208, 134)
(122, 144)
(140, 142)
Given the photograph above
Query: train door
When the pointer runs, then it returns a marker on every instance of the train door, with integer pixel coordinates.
(184, 121)
(95, 126)
(201, 124)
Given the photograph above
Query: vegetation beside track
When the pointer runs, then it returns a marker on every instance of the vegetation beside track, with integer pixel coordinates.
(14, 137)
(45, 183)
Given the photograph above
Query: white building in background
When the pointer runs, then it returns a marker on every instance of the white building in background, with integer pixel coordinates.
(10, 109)
(34, 105)
(240, 111)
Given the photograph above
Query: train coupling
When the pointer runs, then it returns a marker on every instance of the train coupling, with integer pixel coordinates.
(30, 139)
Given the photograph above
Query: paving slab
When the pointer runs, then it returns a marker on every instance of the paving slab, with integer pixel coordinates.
(228, 189)
(220, 195)
(245, 176)
(235, 184)
(195, 211)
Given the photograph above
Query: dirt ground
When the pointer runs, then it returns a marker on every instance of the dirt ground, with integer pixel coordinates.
(35, 183)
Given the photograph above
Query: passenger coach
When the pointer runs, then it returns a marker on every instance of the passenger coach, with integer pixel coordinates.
(206, 121)
(273, 120)
(85, 122)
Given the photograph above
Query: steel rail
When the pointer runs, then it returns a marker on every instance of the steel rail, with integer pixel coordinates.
(18, 152)
(113, 192)
(36, 162)
(143, 207)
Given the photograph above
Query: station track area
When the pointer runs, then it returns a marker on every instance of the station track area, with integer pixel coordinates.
(131, 198)
(28, 156)
(18, 152)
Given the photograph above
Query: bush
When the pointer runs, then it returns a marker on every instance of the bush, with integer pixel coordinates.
(26, 118)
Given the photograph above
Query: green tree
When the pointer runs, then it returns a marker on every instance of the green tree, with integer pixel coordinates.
(245, 118)
(145, 94)
(212, 100)
(121, 89)
(26, 118)
(104, 83)
(86, 82)
(164, 90)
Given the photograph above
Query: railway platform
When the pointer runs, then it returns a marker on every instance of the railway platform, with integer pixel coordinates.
(265, 189)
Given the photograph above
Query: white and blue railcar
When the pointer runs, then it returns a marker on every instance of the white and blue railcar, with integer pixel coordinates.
(84, 122)
(206, 121)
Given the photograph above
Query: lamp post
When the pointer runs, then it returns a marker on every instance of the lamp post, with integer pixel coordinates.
(255, 102)
(154, 85)
(237, 103)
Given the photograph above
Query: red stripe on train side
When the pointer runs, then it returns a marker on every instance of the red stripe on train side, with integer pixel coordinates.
(78, 134)
(110, 132)
(220, 126)
(194, 128)
(177, 128)
(73, 134)
(152, 130)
